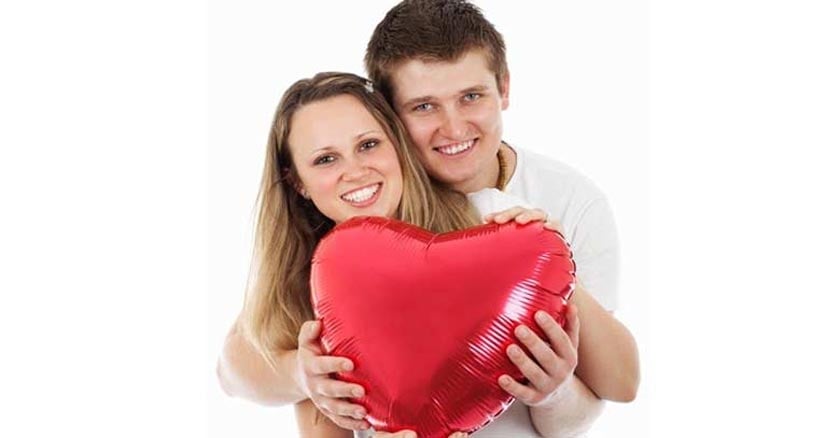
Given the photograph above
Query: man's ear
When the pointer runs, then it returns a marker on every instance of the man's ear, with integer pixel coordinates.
(504, 90)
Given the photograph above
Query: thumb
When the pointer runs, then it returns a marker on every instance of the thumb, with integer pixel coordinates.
(308, 336)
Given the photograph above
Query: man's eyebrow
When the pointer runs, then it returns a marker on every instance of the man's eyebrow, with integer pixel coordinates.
(417, 100)
(474, 89)
(423, 99)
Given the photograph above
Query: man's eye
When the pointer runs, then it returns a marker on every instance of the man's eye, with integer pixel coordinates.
(471, 97)
(324, 159)
(423, 107)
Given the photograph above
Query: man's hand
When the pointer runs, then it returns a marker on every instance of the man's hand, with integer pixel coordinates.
(522, 215)
(555, 361)
(313, 375)
(411, 434)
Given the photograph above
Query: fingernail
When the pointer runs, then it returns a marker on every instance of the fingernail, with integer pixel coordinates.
(410, 435)
(347, 366)
(542, 316)
(521, 331)
(505, 380)
(358, 392)
(514, 350)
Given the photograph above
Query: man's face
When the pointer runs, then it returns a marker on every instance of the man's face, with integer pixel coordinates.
(453, 112)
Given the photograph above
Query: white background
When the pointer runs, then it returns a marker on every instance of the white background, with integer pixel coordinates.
(114, 282)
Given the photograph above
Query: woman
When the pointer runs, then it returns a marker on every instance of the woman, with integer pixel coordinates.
(336, 150)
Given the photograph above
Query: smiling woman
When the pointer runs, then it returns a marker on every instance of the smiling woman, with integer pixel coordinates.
(336, 150)
(349, 166)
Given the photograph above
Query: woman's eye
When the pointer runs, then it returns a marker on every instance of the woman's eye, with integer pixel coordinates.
(369, 144)
(324, 159)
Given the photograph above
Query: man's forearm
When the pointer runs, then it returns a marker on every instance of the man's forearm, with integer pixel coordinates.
(244, 373)
(608, 359)
(570, 413)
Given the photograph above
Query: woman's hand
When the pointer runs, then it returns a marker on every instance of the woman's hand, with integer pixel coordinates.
(523, 216)
(328, 394)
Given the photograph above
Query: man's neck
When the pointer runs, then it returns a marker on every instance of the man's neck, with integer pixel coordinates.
(489, 177)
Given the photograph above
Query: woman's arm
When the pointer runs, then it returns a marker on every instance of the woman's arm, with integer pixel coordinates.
(244, 373)
(313, 425)
(301, 374)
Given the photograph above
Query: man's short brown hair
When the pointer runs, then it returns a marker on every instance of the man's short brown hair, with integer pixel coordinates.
(432, 30)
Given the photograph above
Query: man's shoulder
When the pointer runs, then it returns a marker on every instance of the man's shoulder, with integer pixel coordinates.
(535, 170)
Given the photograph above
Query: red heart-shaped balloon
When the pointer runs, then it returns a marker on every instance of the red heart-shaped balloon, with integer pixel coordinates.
(426, 318)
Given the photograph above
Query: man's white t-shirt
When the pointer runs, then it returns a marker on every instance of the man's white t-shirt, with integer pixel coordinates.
(578, 205)
(587, 222)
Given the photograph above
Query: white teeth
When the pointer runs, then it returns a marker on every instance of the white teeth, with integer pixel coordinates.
(362, 194)
(456, 148)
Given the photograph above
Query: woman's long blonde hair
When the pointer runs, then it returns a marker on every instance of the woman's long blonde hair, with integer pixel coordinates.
(289, 226)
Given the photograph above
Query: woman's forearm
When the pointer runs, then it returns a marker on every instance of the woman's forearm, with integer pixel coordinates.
(608, 359)
(244, 373)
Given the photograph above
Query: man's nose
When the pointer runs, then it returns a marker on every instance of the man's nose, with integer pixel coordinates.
(454, 125)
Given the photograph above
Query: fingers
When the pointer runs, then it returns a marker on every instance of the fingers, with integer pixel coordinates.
(555, 226)
(531, 216)
(317, 365)
(533, 372)
(308, 336)
(523, 393)
(504, 216)
(560, 341)
(348, 423)
(400, 434)
(340, 408)
(329, 387)
(573, 325)
(520, 214)
(550, 364)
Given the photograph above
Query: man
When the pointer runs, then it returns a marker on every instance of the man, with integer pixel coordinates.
(443, 67)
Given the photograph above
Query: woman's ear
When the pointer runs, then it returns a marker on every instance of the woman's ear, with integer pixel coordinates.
(290, 177)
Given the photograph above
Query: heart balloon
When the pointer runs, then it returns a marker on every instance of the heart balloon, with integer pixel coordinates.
(426, 318)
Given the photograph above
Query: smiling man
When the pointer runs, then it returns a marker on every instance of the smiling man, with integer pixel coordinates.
(443, 67)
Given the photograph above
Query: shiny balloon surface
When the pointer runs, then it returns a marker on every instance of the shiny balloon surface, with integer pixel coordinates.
(426, 318)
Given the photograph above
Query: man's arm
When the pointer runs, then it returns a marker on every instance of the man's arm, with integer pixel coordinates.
(608, 359)
(570, 413)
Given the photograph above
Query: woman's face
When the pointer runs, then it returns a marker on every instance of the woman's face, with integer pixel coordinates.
(346, 163)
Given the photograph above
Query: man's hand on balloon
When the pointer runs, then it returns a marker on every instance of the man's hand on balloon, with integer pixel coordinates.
(522, 215)
(554, 361)
(411, 434)
(328, 394)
